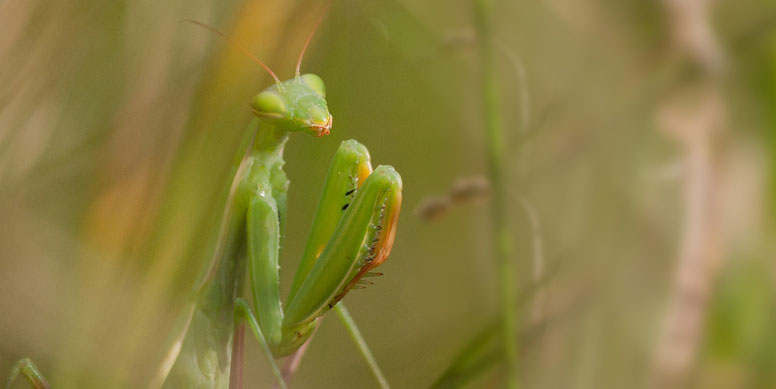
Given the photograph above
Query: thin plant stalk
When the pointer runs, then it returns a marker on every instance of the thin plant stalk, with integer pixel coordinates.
(494, 130)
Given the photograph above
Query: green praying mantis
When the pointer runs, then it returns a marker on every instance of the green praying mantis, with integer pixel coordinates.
(352, 233)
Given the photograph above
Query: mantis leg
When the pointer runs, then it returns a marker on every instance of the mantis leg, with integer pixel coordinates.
(28, 370)
(361, 241)
(242, 312)
(358, 339)
(348, 170)
(263, 234)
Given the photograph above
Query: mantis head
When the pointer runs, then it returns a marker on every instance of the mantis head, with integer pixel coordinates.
(298, 104)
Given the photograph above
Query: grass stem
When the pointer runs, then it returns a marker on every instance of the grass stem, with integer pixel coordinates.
(494, 130)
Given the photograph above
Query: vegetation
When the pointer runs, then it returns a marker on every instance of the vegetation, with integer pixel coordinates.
(593, 182)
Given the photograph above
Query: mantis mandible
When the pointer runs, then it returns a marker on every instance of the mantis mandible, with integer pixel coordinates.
(352, 233)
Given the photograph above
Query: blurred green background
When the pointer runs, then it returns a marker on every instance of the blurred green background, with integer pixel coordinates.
(119, 123)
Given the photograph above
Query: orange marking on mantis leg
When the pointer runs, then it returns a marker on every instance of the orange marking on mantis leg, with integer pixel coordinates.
(364, 170)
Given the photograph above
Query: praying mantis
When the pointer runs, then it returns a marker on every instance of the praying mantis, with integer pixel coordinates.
(352, 233)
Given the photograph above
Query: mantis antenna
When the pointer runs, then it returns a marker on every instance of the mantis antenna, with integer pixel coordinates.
(242, 48)
(309, 38)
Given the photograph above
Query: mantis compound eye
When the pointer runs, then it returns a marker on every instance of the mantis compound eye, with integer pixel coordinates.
(315, 83)
(269, 102)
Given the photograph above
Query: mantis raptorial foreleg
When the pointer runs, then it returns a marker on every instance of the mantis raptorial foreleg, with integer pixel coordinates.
(349, 170)
(361, 241)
